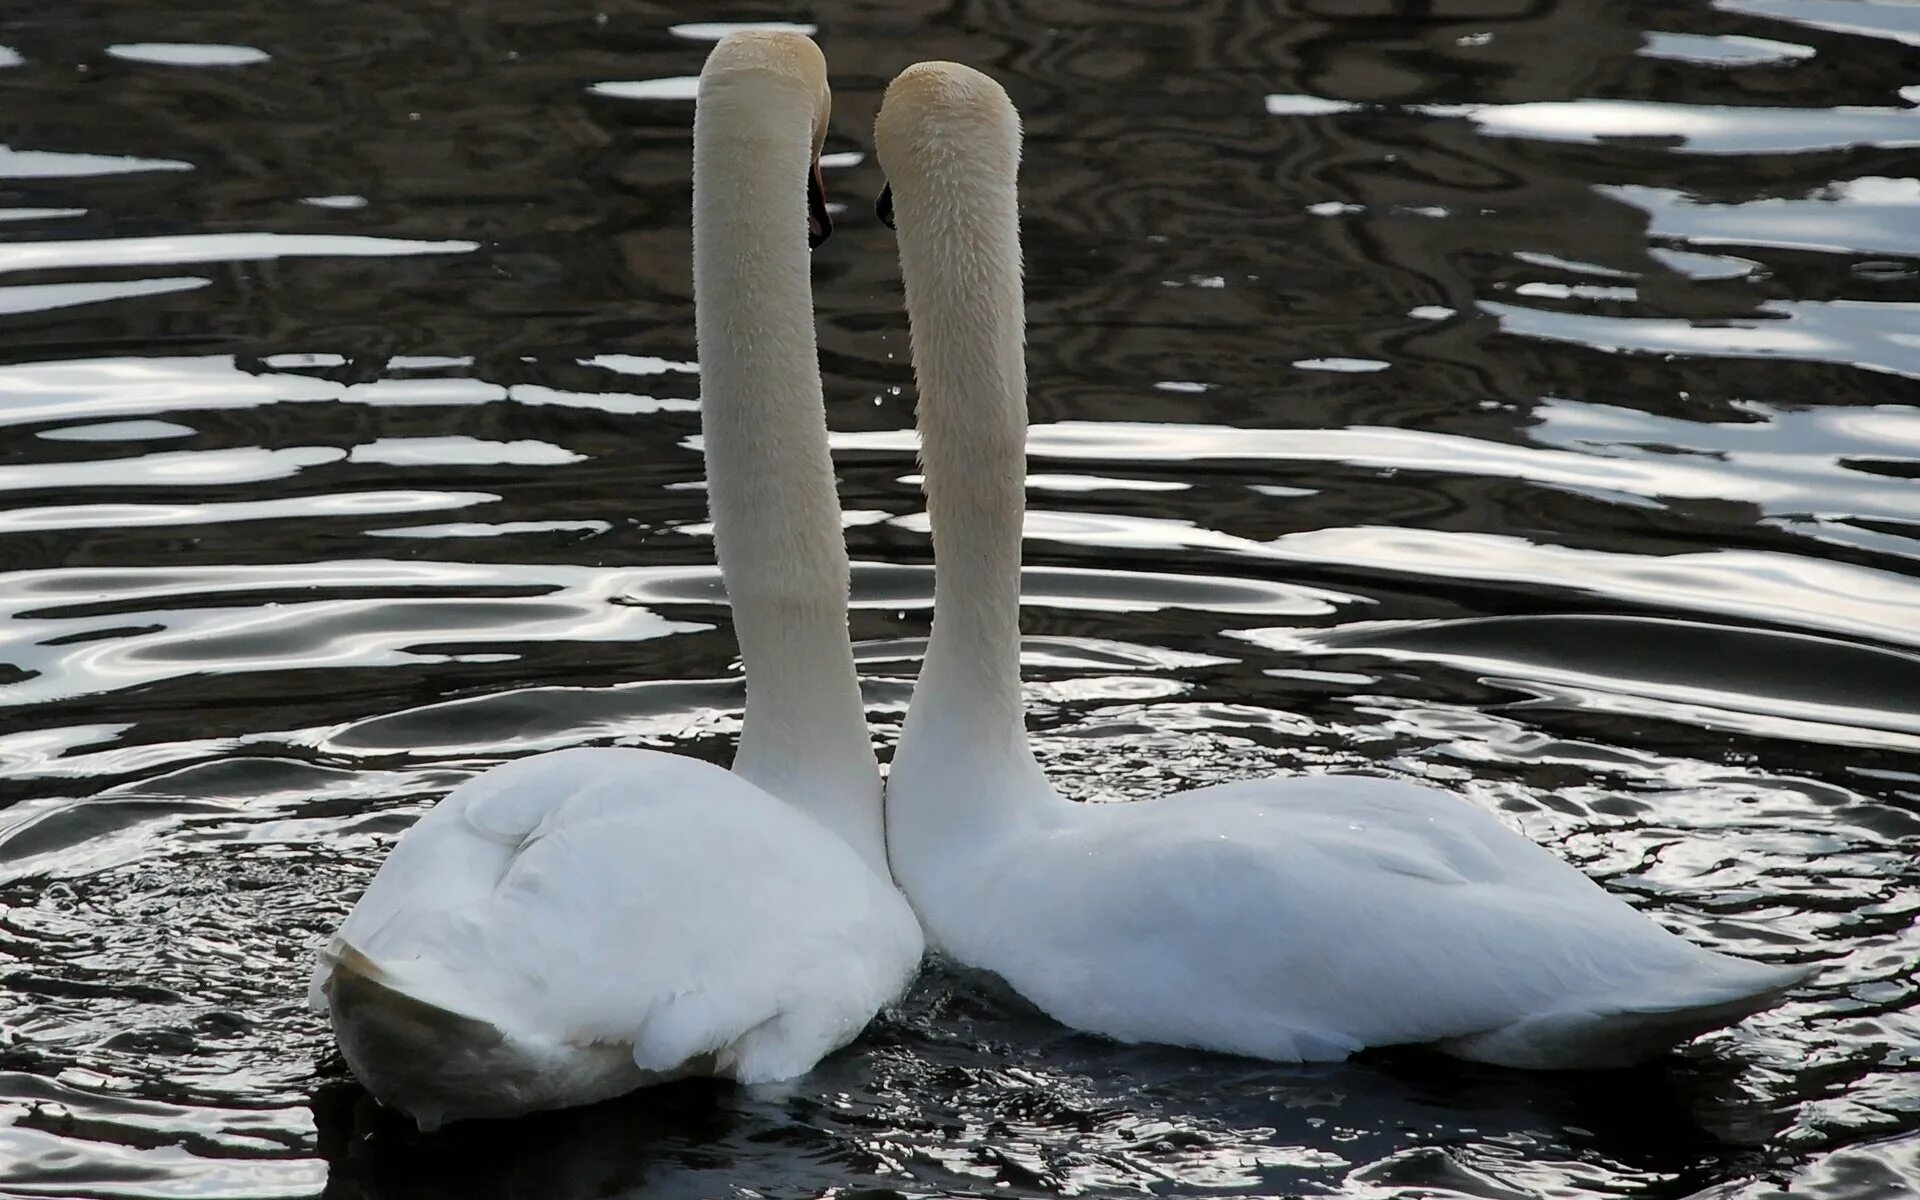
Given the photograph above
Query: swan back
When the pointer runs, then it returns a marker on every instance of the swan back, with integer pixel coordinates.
(759, 123)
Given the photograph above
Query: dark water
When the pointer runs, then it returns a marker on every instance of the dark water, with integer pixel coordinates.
(1515, 394)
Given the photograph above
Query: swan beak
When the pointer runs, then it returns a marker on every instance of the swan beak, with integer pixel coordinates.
(883, 207)
(819, 220)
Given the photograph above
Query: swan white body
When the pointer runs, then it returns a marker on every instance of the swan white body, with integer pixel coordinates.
(1287, 919)
(566, 927)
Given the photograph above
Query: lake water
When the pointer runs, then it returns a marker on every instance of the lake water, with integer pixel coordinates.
(1514, 394)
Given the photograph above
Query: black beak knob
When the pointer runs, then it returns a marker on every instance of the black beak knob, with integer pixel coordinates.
(819, 220)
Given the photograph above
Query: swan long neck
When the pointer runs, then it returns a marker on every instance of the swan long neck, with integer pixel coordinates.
(770, 484)
(959, 239)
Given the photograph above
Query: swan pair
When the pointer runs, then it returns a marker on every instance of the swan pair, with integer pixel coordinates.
(572, 925)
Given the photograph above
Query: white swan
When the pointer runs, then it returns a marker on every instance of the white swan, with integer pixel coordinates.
(1286, 919)
(569, 926)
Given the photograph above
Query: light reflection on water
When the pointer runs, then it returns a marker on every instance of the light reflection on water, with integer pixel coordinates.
(1519, 402)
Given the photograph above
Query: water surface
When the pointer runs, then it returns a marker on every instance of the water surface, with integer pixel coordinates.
(1515, 396)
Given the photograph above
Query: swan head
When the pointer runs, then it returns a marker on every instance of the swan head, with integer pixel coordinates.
(944, 130)
(777, 69)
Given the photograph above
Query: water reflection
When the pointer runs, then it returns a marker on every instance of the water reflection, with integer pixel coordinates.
(1854, 333)
(204, 248)
(1515, 396)
(1723, 50)
(1875, 19)
(54, 164)
(1872, 214)
(1694, 128)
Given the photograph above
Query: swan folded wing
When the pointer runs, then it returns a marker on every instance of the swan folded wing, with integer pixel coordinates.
(457, 852)
(669, 907)
(1260, 924)
(1427, 830)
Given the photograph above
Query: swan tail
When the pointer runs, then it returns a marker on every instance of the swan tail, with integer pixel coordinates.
(393, 1037)
(1623, 1036)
